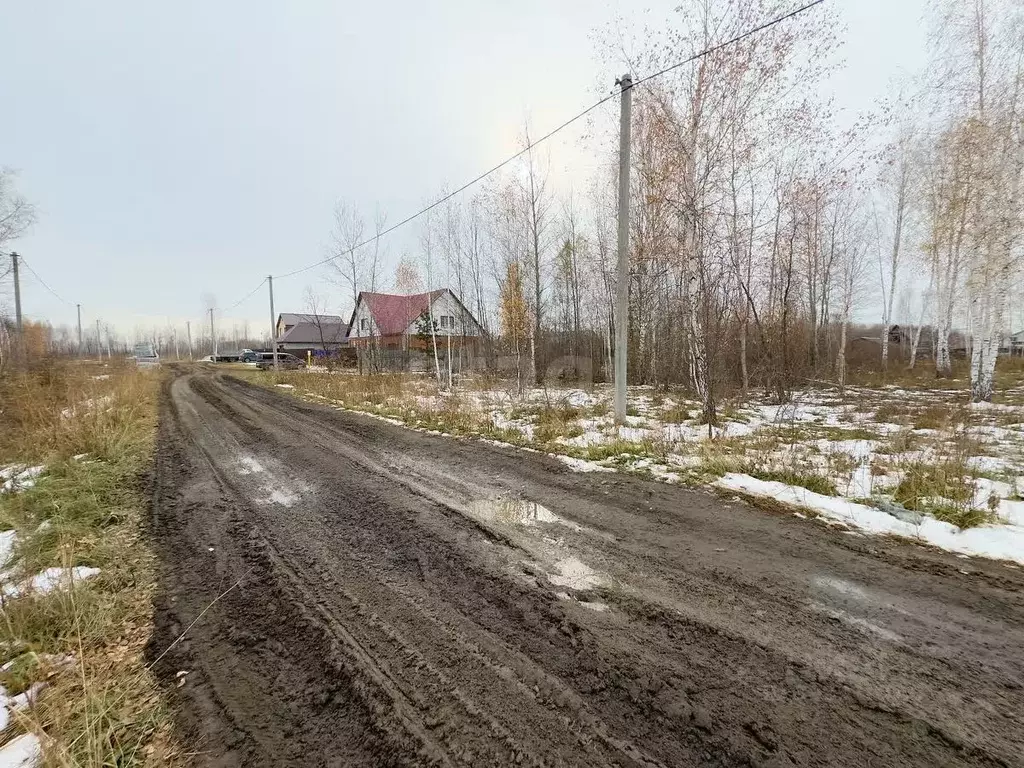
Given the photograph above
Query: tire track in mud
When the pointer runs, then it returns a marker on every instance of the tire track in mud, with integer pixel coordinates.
(378, 623)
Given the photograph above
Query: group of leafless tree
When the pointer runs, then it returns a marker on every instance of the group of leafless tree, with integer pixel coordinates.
(760, 231)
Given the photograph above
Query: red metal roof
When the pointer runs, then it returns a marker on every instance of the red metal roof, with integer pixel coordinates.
(393, 313)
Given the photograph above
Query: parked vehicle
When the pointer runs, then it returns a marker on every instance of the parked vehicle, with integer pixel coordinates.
(284, 361)
(146, 356)
(250, 357)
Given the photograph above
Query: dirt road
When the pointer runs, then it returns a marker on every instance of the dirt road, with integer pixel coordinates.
(360, 594)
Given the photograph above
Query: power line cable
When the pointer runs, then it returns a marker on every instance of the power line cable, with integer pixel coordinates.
(43, 282)
(463, 188)
(549, 134)
(247, 296)
(731, 41)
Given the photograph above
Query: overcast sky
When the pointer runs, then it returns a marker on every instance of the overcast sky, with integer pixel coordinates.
(193, 147)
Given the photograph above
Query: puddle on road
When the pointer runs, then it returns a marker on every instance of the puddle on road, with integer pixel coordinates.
(516, 512)
(268, 487)
(575, 574)
(841, 587)
(858, 622)
(591, 605)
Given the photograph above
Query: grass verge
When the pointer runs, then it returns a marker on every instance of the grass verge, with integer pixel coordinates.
(101, 706)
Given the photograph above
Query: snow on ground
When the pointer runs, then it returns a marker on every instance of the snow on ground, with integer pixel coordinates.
(17, 477)
(11, 585)
(871, 445)
(21, 752)
(7, 541)
(86, 406)
(1002, 542)
(49, 580)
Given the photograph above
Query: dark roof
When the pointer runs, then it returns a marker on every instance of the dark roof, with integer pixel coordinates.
(393, 313)
(315, 334)
(293, 318)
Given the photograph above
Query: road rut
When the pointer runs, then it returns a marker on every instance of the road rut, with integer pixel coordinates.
(356, 593)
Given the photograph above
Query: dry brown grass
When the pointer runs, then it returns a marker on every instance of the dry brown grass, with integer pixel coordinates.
(103, 708)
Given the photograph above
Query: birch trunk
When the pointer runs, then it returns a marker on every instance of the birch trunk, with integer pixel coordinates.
(841, 355)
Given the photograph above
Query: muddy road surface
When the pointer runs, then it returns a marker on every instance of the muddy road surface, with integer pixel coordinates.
(355, 593)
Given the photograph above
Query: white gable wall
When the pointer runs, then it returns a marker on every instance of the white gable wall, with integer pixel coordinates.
(362, 313)
(462, 323)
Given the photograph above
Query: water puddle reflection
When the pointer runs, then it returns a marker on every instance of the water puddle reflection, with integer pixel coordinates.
(515, 512)
(575, 574)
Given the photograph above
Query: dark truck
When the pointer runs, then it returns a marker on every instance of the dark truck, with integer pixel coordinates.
(285, 361)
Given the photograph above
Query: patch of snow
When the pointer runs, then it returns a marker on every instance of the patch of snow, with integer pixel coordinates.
(20, 477)
(1001, 542)
(501, 421)
(80, 456)
(90, 404)
(1012, 511)
(985, 489)
(49, 580)
(580, 399)
(581, 465)
(634, 434)
(285, 386)
(283, 497)
(27, 698)
(249, 465)
(22, 752)
(587, 439)
(861, 482)
(101, 377)
(988, 464)
(860, 450)
(7, 542)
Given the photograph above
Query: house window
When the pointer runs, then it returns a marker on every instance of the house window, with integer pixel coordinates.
(447, 321)
(364, 324)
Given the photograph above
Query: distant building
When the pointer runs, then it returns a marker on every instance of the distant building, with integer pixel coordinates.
(288, 320)
(312, 334)
(397, 321)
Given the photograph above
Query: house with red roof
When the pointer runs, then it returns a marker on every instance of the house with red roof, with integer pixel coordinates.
(397, 321)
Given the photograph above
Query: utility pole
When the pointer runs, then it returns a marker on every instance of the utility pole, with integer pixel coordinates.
(188, 331)
(273, 323)
(213, 333)
(23, 351)
(79, 329)
(17, 293)
(622, 273)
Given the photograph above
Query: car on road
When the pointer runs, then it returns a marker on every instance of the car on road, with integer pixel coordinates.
(146, 356)
(284, 361)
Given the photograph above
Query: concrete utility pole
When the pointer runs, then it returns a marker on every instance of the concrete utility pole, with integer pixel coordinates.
(273, 323)
(188, 332)
(17, 294)
(622, 273)
(79, 306)
(22, 347)
(213, 334)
